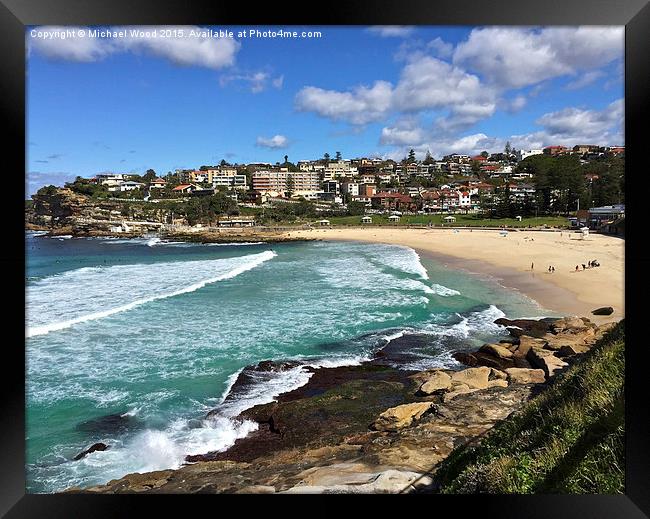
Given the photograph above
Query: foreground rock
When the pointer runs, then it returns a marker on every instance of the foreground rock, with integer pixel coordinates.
(438, 382)
(526, 376)
(545, 360)
(497, 350)
(401, 416)
(337, 480)
(363, 461)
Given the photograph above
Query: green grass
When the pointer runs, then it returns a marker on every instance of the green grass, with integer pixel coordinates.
(461, 220)
(569, 439)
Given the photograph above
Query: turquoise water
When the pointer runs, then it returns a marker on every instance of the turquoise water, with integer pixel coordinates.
(157, 332)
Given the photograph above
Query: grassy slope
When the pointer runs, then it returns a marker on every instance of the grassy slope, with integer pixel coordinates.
(569, 439)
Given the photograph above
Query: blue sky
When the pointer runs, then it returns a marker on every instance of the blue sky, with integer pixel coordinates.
(129, 103)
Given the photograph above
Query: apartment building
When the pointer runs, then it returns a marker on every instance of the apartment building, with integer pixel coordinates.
(304, 182)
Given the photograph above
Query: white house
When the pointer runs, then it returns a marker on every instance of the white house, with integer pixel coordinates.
(521, 154)
(129, 185)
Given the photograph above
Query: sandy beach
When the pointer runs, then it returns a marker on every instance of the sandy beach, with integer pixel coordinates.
(509, 258)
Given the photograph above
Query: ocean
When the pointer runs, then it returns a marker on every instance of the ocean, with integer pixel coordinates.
(155, 333)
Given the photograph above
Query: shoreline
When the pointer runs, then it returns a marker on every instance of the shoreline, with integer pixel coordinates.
(488, 254)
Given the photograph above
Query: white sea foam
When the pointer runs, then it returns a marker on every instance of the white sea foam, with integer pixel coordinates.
(400, 258)
(391, 337)
(54, 298)
(234, 244)
(442, 290)
(481, 321)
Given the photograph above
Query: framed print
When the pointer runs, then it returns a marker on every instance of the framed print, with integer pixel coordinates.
(365, 251)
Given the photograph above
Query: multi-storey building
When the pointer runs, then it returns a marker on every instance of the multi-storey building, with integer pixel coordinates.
(227, 177)
(305, 183)
(350, 188)
(554, 150)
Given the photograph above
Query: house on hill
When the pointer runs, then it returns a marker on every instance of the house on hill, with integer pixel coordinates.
(393, 202)
(184, 188)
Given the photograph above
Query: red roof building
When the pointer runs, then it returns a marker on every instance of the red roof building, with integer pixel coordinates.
(184, 188)
(392, 201)
(555, 150)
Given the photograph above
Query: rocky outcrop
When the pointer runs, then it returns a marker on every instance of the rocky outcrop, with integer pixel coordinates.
(572, 324)
(604, 310)
(530, 327)
(338, 479)
(498, 350)
(93, 448)
(545, 360)
(109, 424)
(474, 378)
(439, 381)
(401, 416)
(526, 376)
(572, 349)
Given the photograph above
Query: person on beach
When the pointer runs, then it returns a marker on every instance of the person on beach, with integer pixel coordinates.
(577, 268)
(549, 268)
(553, 270)
(532, 266)
(583, 266)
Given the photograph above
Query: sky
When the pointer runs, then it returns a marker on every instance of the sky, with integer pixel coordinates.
(171, 97)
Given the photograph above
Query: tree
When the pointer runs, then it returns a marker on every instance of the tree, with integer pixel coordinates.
(326, 157)
(286, 159)
(290, 186)
(356, 208)
(428, 159)
(505, 209)
(476, 168)
(149, 175)
(507, 149)
(485, 154)
(338, 155)
(411, 157)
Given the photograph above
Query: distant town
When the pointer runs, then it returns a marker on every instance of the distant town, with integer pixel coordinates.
(552, 181)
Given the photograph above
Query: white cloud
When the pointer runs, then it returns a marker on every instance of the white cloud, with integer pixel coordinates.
(567, 127)
(275, 142)
(257, 81)
(195, 48)
(513, 105)
(424, 84)
(572, 123)
(517, 57)
(278, 82)
(469, 144)
(69, 48)
(433, 83)
(392, 31)
(404, 133)
(360, 106)
(441, 48)
(586, 79)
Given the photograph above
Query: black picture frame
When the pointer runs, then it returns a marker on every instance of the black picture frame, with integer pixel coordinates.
(15, 15)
